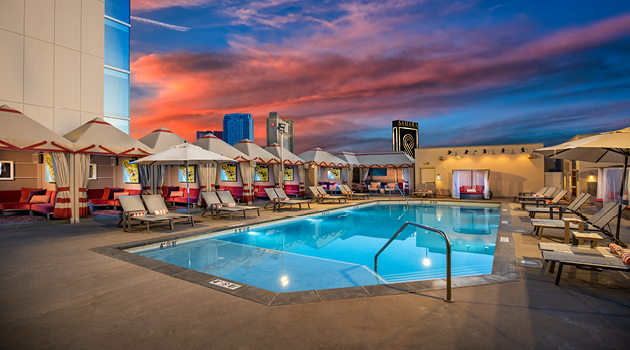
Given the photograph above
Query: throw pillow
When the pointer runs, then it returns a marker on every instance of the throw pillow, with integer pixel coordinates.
(40, 199)
(161, 211)
(114, 190)
(231, 204)
(118, 194)
(177, 194)
(35, 193)
(170, 189)
(470, 190)
(106, 193)
(24, 196)
(479, 188)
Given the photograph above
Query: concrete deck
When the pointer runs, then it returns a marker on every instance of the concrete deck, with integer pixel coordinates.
(57, 293)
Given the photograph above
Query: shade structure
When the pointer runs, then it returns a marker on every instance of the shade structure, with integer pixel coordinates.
(384, 160)
(183, 154)
(609, 147)
(349, 157)
(21, 133)
(289, 158)
(161, 139)
(104, 138)
(214, 144)
(256, 152)
(319, 157)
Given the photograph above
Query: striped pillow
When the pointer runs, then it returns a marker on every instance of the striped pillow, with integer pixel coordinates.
(626, 258)
(231, 204)
(615, 249)
(161, 211)
(138, 214)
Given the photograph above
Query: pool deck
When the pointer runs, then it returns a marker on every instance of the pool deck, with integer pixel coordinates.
(57, 292)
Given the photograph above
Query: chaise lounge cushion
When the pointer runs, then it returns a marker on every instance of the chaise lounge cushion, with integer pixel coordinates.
(15, 206)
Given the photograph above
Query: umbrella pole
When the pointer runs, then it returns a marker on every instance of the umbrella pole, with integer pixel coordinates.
(187, 189)
(623, 185)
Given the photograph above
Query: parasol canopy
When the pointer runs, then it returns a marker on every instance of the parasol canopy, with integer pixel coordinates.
(161, 139)
(256, 152)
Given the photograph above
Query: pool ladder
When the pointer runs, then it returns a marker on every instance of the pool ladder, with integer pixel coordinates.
(448, 253)
(401, 192)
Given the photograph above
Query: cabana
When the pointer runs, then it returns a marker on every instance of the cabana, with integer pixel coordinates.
(471, 184)
(22, 160)
(260, 172)
(293, 185)
(102, 173)
(387, 160)
(353, 162)
(230, 177)
(324, 166)
(609, 183)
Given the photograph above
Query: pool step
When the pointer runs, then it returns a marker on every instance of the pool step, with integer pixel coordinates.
(429, 275)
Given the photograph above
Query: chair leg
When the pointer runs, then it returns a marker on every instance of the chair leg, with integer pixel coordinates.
(559, 274)
(258, 210)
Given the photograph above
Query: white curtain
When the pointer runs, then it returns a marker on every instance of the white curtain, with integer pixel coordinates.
(363, 174)
(277, 172)
(247, 175)
(63, 204)
(83, 163)
(456, 183)
(207, 175)
(145, 178)
(477, 178)
(611, 184)
(600, 183)
(344, 175)
(160, 170)
(406, 174)
(486, 184)
(323, 174)
(302, 175)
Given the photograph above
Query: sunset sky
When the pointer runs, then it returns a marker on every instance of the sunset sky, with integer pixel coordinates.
(468, 72)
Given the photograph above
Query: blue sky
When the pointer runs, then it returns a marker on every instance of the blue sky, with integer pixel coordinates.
(469, 72)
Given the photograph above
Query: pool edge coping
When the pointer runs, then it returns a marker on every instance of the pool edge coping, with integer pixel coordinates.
(504, 268)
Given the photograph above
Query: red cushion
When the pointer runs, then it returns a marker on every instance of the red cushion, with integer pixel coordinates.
(15, 205)
(134, 192)
(106, 193)
(102, 201)
(43, 208)
(25, 193)
(53, 197)
(479, 189)
(237, 192)
(183, 200)
(95, 193)
(10, 196)
(599, 200)
(291, 189)
(464, 188)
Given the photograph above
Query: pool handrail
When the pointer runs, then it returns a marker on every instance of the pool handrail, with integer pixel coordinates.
(448, 253)
(401, 192)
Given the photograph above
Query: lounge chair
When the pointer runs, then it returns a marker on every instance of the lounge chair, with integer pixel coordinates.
(227, 200)
(217, 208)
(325, 196)
(586, 256)
(155, 203)
(319, 197)
(538, 193)
(374, 186)
(543, 201)
(391, 187)
(284, 199)
(133, 209)
(597, 222)
(572, 208)
(345, 190)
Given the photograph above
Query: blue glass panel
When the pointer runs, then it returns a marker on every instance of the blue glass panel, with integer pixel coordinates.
(116, 45)
(116, 97)
(118, 9)
(119, 123)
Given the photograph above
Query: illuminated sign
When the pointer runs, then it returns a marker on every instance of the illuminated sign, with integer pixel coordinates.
(405, 136)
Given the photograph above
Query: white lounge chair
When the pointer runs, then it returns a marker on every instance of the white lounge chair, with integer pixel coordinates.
(543, 201)
(345, 190)
(217, 207)
(325, 196)
(155, 203)
(572, 208)
(226, 199)
(597, 222)
(133, 209)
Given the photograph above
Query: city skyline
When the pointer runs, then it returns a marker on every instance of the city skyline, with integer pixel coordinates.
(469, 72)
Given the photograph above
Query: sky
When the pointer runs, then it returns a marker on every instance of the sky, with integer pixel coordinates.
(469, 73)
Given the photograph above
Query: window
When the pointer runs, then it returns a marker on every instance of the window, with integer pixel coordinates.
(121, 124)
(116, 45)
(228, 172)
(116, 89)
(118, 9)
(379, 172)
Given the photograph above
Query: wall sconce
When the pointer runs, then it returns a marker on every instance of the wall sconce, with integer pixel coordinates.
(475, 153)
(502, 150)
(522, 149)
(592, 178)
(439, 177)
(466, 152)
(484, 151)
(449, 152)
(458, 156)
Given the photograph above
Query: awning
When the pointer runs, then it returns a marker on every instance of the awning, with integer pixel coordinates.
(289, 158)
(104, 138)
(161, 139)
(319, 157)
(256, 152)
(216, 145)
(385, 160)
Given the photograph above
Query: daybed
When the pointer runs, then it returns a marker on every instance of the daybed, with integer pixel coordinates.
(108, 197)
(466, 192)
(20, 201)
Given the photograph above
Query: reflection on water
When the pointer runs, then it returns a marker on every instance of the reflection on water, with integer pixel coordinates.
(336, 249)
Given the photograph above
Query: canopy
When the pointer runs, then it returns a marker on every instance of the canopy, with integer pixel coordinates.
(609, 147)
(161, 139)
(289, 158)
(256, 152)
(216, 145)
(105, 138)
(384, 160)
(185, 153)
(319, 157)
(25, 134)
(349, 157)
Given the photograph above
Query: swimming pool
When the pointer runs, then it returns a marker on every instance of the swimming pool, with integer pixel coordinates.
(335, 249)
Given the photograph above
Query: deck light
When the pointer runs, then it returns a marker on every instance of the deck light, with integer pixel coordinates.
(439, 177)
(426, 262)
(284, 280)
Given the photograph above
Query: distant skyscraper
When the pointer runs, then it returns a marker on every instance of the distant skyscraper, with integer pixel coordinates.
(201, 134)
(236, 127)
(273, 135)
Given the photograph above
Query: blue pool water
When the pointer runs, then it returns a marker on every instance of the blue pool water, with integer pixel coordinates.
(336, 249)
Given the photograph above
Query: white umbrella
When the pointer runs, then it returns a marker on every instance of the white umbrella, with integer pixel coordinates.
(609, 147)
(186, 154)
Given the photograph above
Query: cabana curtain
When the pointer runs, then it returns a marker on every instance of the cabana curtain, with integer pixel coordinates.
(406, 176)
(247, 175)
(363, 173)
(344, 175)
(277, 172)
(83, 164)
(609, 182)
(207, 174)
(63, 205)
(471, 178)
(323, 175)
(145, 178)
(302, 175)
(159, 177)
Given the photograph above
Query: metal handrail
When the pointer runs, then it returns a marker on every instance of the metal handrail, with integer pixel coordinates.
(448, 253)
(401, 192)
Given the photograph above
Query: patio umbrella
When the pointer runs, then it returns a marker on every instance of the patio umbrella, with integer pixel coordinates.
(609, 147)
(185, 154)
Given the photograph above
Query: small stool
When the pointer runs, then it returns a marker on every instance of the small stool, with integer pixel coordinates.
(580, 237)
